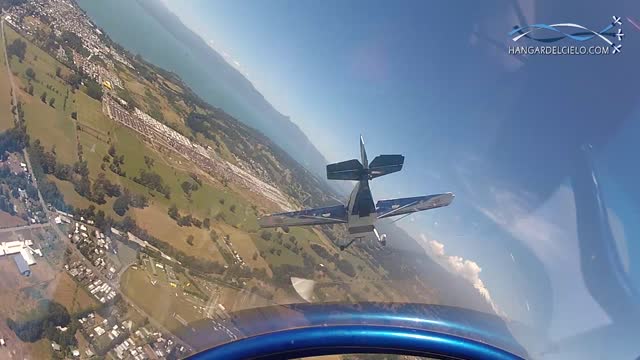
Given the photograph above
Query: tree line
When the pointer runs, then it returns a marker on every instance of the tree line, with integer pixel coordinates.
(153, 181)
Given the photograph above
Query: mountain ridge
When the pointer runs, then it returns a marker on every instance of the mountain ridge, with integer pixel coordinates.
(252, 107)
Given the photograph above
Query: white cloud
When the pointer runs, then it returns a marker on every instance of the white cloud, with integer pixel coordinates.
(467, 269)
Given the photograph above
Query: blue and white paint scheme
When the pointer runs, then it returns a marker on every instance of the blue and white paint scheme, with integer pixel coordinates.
(360, 213)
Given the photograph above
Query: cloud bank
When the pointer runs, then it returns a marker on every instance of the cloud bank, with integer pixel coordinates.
(467, 269)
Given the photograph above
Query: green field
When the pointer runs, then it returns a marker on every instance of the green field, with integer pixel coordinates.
(53, 129)
(90, 113)
(161, 301)
(6, 118)
(51, 125)
(156, 221)
(45, 69)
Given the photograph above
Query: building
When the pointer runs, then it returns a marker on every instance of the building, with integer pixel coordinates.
(22, 265)
(13, 247)
(27, 256)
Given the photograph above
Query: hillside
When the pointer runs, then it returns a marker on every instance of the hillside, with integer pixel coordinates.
(250, 105)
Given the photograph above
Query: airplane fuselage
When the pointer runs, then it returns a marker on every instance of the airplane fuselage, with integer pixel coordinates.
(361, 211)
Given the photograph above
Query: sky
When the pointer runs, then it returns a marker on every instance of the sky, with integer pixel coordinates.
(433, 81)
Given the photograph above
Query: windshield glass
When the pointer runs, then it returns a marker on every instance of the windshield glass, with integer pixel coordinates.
(472, 154)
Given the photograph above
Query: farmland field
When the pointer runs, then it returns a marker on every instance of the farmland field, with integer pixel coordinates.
(156, 221)
(64, 290)
(6, 118)
(161, 301)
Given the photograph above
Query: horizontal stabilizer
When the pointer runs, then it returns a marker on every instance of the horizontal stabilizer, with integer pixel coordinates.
(393, 207)
(385, 164)
(318, 216)
(345, 170)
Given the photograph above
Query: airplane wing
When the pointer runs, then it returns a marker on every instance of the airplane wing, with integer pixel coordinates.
(393, 207)
(318, 216)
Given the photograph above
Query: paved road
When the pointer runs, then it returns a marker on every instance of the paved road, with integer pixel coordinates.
(24, 227)
(51, 215)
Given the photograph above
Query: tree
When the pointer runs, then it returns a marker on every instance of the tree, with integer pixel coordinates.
(128, 224)
(81, 168)
(12, 140)
(121, 205)
(30, 89)
(153, 181)
(190, 240)
(173, 212)
(74, 80)
(30, 73)
(73, 41)
(63, 172)
(232, 208)
(74, 115)
(149, 161)
(52, 101)
(58, 71)
(43, 97)
(186, 187)
(206, 223)
(138, 201)
(94, 90)
(185, 220)
(112, 150)
(17, 48)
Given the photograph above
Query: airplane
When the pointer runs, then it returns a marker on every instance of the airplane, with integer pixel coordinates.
(616, 48)
(616, 20)
(360, 213)
(619, 35)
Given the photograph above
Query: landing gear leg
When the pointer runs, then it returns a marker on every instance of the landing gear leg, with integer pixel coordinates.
(343, 247)
(382, 239)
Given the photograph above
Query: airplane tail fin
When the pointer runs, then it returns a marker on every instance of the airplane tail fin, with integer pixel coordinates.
(363, 154)
(354, 169)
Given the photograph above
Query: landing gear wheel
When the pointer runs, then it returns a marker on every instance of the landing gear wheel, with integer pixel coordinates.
(383, 242)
